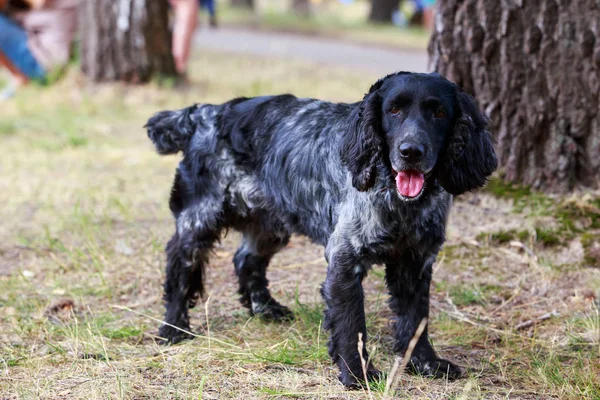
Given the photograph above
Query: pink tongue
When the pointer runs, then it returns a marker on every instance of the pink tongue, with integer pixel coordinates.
(409, 183)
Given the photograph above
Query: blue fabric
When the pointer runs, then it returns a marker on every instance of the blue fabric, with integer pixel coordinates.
(209, 5)
(422, 4)
(13, 44)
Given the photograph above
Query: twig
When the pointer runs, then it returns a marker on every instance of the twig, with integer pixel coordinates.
(391, 376)
(439, 264)
(470, 242)
(529, 304)
(412, 344)
(207, 323)
(459, 316)
(537, 320)
(172, 326)
(507, 302)
(363, 363)
(529, 259)
(521, 245)
(456, 310)
(405, 359)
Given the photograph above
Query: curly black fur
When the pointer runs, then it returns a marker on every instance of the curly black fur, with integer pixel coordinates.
(277, 165)
(171, 132)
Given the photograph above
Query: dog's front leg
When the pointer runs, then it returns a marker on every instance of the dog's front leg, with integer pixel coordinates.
(408, 280)
(345, 316)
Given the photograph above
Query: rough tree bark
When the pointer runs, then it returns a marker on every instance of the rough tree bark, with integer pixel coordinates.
(534, 66)
(301, 7)
(125, 40)
(243, 4)
(382, 10)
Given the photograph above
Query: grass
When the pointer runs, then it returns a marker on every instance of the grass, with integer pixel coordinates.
(85, 220)
(329, 19)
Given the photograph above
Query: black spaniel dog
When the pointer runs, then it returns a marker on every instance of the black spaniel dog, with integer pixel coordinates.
(370, 181)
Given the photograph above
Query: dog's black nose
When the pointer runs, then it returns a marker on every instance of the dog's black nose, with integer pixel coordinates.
(411, 151)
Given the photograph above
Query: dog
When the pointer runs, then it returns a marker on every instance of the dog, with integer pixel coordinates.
(371, 181)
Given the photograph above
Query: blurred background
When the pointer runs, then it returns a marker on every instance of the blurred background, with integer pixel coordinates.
(84, 216)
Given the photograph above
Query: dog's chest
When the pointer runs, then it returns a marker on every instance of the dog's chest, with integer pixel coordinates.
(386, 231)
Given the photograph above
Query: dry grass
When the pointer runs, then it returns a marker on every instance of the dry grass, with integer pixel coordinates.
(85, 219)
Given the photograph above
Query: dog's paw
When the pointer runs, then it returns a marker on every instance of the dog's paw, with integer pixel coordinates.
(273, 311)
(171, 335)
(437, 368)
(356, 381)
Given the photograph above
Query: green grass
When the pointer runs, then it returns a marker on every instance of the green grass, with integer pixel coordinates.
(463, 295)
(524, 198)
(561, 219)
(541, 236)
(124, 332)
(85, 217)
(591, 246)
(331, 19)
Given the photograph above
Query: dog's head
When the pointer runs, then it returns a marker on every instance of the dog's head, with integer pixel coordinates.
(423, 127)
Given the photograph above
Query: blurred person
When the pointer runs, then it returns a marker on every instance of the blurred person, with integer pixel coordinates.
(35, 38)
(429, 14)
(184, 24)
(424, 14)
(209, 6)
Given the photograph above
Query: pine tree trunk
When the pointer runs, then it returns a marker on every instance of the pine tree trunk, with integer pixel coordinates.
(301, 7)
(534, 66)
(243, 4)
(125, 40)
(382, 10)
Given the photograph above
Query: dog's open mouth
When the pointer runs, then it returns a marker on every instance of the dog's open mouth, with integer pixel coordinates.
(409, 183)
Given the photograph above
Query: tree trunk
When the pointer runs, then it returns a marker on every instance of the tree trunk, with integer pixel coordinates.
(243, 4)
(534, 66)
(382, 10)
(125, 40)
(301, 7)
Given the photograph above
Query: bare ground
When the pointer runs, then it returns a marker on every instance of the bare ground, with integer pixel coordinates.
(85, 220)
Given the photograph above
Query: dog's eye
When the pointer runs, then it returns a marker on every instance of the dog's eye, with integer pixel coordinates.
(394, 110)
(439, 113)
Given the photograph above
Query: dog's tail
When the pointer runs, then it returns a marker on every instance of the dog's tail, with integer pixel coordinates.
(171, 131)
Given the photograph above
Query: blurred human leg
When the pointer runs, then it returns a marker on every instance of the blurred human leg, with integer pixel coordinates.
(209, 5)
(186, 15)
(429, 14)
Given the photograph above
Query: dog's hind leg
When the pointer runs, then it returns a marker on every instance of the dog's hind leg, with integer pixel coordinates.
(198, 228)
(251, 261)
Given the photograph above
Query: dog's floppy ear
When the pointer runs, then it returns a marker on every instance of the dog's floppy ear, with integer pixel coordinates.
(469, 158)
(361, 146)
